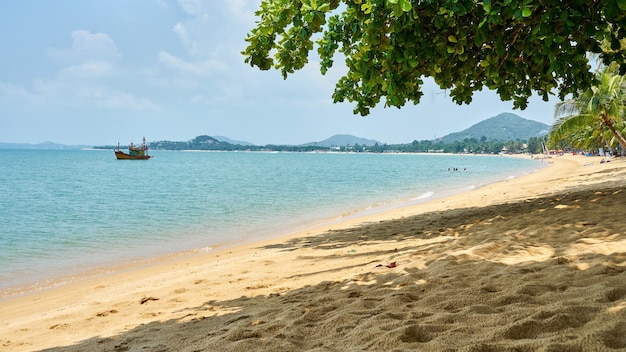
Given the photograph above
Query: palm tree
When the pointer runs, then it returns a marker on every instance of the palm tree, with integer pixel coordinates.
(595, 115)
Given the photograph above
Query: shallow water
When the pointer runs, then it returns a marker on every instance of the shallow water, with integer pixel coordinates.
(63, 212)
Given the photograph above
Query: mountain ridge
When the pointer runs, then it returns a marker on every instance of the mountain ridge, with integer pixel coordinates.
(502, 127)
(231, 141)
(342, 140)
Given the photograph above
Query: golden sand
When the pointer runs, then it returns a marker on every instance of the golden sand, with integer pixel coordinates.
(536, 263)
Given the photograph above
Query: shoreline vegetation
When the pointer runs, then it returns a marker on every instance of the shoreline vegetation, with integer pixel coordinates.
(532, 263)
(468, 145)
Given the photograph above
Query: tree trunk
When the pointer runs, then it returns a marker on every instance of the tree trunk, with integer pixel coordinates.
(617, 134)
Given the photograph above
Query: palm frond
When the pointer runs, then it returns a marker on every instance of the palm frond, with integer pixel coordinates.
(596, 115)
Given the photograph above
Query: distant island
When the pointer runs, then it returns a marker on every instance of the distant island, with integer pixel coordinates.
(343, 140)
(42, 146)
(504, 132)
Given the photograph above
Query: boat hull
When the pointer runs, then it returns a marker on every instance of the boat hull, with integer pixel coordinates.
(123, 156)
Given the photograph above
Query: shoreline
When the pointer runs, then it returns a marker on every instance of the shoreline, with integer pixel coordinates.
(107, 268)
(242, 294)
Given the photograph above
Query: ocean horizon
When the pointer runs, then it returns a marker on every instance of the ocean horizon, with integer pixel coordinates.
(66, 213)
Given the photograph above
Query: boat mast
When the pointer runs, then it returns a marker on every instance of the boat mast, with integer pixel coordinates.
(145, 146)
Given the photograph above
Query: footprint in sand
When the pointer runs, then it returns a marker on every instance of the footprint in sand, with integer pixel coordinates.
(105, 313)
(416, 333)
(58, 326)
(150, 315)
(614, 337)
(257, 287)
(615, 294)
(551, 321)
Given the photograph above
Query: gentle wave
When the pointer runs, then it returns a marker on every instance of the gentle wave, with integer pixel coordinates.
(425, 195)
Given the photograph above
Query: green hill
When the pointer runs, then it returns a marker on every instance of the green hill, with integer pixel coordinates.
(503, 127)
(343, 140)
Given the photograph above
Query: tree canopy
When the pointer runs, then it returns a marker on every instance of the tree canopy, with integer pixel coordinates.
(595, 117)
(515, 47)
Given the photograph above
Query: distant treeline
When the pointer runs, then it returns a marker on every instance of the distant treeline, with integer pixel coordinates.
(473, 145)
(469, 145)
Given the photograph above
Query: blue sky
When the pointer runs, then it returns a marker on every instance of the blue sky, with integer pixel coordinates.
(101, 72)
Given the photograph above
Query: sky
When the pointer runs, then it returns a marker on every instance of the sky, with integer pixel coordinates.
(101, 72)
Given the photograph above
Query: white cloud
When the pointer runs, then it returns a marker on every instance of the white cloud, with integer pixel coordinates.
(163, 4)
(98, 42)
(87, 46)
(225, 94)
(89, 79)
(183, 35)
(238, 10)
(45, 95)
(202, 68)
(181, 31)
(119, 100)
(12, 92)
(243, 10)
(89, 70)
(74, 94)
(198, 8)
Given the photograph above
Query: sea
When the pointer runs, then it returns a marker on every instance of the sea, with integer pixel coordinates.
(70, 214)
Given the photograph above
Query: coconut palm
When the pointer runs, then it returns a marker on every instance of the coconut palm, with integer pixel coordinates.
(595, 115)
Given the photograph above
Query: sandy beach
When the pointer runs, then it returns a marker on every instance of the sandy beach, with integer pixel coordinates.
(536, 263)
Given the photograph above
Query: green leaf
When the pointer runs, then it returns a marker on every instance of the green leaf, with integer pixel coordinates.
(397, 10)
(526, 12)
(500, 49)
(479, 39)
(487, 6)
(452, 39)
(406, 5)
(482, 23)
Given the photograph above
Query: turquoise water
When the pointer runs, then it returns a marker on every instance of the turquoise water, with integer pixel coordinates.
(64, 212)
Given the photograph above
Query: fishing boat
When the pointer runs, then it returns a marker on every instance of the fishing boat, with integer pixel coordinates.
(135, 152)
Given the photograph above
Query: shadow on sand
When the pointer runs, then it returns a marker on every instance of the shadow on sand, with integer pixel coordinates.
(545, 274)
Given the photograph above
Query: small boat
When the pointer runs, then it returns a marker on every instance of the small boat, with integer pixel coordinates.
(135, 152)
